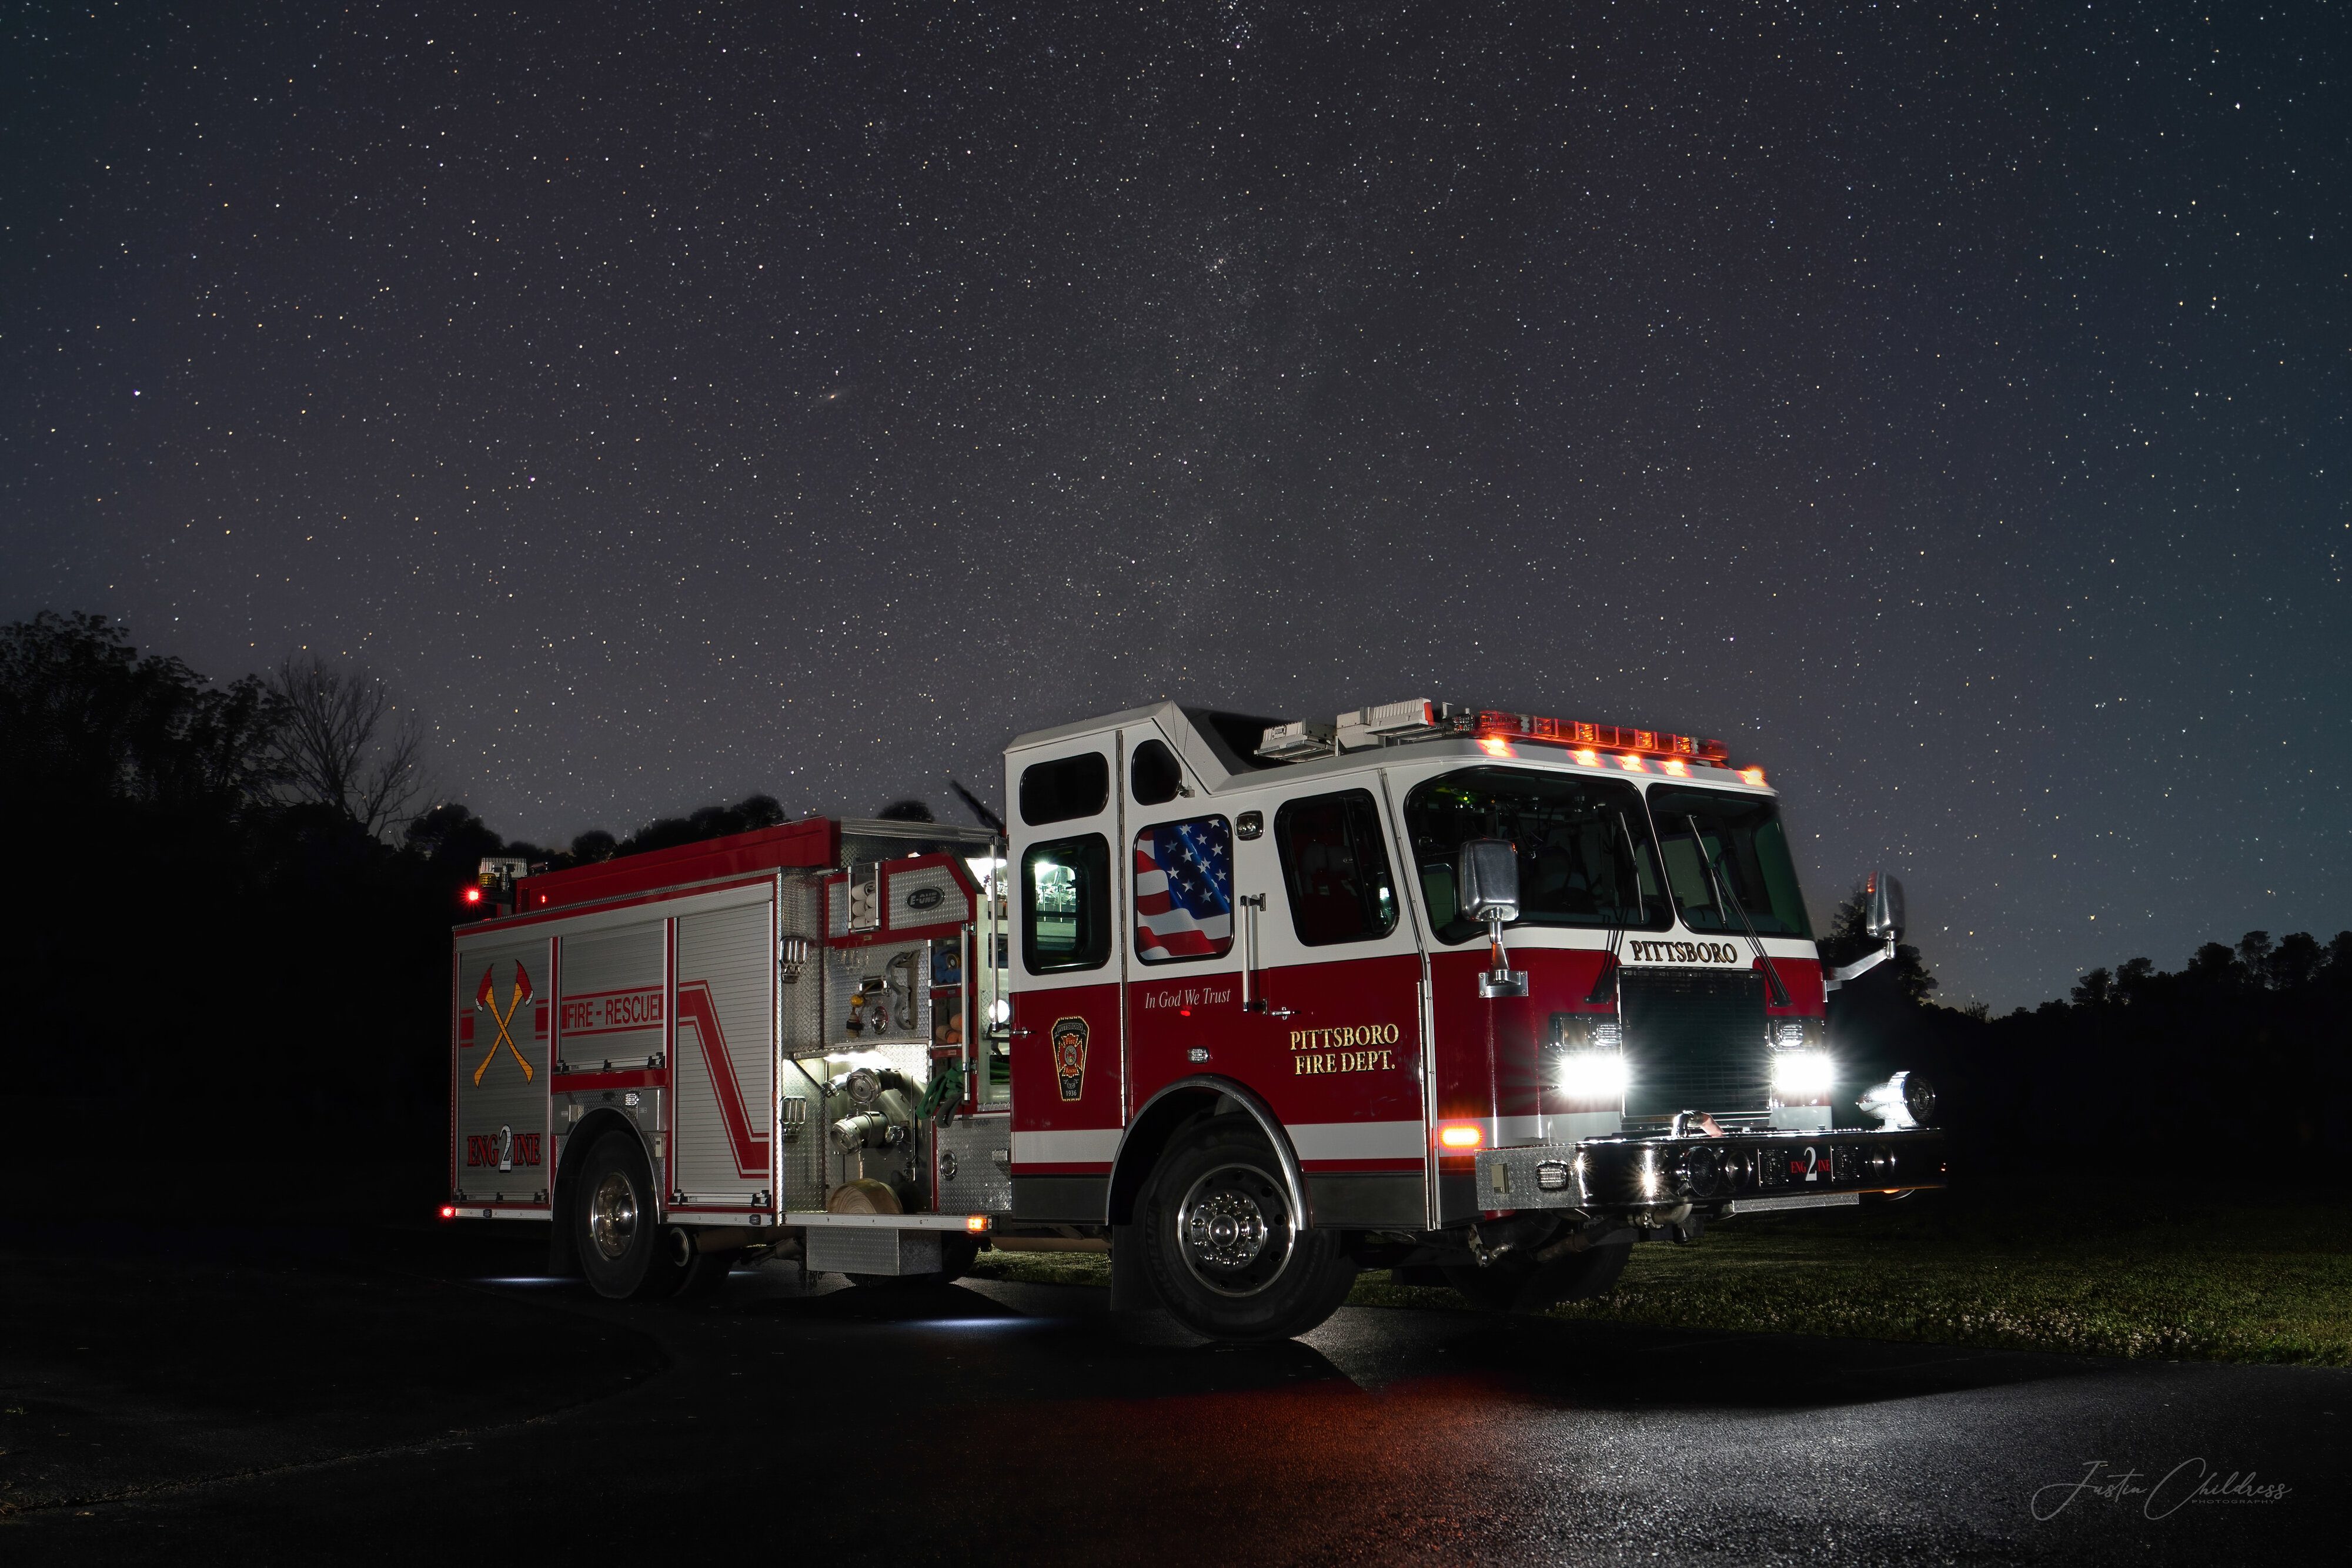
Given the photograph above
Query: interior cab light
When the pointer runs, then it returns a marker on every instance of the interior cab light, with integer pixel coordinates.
(1754, 775)
(1460, 1136)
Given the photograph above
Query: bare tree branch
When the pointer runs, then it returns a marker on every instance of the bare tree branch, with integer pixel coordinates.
(344, 745)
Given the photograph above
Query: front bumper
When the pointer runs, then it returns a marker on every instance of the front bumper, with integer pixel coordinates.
(1743, 1169)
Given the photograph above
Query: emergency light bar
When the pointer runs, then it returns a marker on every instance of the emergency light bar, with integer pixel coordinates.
(1391, 723)
(1601, 737)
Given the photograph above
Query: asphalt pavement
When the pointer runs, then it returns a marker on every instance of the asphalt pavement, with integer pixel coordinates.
(194, 1399)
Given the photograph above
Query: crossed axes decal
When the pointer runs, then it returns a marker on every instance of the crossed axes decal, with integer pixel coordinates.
(486, 997)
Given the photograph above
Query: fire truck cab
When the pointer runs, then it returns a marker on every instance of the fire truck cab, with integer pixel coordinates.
(1483, 996)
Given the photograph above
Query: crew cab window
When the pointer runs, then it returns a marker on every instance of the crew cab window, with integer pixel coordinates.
(1155, 775)
(1335, 864)
(1728, 857)
(1065, 788)
(1184, 890)
(1586, 856)
(1066, 904)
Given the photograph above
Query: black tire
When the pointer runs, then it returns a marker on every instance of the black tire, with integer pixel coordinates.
(1224, 1252)
(1509, 1285)
(622, 1249)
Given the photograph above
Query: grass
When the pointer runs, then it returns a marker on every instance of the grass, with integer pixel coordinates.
(2176, 1281)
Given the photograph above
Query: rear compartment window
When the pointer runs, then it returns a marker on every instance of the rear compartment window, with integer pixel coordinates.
(1586, 857)
(1065, 788)
(1335, 864)
(1066, 904)
(1184, 890)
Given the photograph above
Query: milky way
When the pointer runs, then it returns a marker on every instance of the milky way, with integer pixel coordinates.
(1947, 408)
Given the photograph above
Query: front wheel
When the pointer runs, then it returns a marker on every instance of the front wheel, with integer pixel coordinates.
(1223, 1249)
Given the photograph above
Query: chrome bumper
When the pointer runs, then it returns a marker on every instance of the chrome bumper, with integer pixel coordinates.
(1759, 1169)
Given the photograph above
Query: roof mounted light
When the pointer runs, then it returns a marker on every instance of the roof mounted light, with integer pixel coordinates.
(1578, 733)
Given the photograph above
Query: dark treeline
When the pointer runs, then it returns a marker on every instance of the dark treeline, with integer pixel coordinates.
(228, 945)
(229, 938)
(2231, 1072)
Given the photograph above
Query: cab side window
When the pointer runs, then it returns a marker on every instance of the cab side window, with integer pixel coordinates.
(1065, 788)
(1335, 861)
(1066, 904)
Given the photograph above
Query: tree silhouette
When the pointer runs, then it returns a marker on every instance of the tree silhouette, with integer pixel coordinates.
(340, 743)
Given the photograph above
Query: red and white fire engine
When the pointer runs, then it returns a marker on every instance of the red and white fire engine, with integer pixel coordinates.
(1482, 996)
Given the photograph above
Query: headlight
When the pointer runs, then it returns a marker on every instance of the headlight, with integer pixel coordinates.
(1593, 1075)
(1804, 1077)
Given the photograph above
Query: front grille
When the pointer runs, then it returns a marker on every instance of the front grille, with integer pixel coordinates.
(1693, 1041)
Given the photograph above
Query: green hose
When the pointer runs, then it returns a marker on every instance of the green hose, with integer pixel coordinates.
(945, 1091)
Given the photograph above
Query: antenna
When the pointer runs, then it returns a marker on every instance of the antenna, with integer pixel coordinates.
(977, 810)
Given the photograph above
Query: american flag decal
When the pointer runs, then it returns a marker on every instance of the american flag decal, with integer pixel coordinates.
(1185, 890)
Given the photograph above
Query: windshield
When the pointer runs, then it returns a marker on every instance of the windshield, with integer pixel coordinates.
(1714, 838)
(1586, 857)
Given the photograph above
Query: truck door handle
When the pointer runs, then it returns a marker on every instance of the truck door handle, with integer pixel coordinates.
(1250, 904)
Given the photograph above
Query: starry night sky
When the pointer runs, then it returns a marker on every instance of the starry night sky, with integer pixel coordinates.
(1945, 406)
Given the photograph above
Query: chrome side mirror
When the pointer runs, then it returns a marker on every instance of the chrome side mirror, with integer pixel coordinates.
(1486, 888)
(1487, 881)
(1883, 918)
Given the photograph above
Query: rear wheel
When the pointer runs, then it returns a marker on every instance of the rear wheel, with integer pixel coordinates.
(1225, 1251)
(622, 1249)
(1510, 1285)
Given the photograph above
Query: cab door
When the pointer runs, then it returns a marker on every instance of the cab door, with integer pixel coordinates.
(1333, 1022)
(1183, 974)
(1067, 1046)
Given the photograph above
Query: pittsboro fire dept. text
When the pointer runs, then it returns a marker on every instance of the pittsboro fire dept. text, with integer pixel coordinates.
(1352, 1048)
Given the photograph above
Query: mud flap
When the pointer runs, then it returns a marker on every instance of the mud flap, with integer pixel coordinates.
(562, 1243)
(1130, 1281)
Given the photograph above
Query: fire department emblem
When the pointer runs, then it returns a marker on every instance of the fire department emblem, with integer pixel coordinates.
(1069, 1037)
(486, 998)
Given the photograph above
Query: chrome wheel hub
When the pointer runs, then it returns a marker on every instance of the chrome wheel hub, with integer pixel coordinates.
(612, 1216)
(1234, 1230)
(1226, 1231)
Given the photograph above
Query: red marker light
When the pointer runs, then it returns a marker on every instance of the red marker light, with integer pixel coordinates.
(1460, 1136)
(473, 896)
(448, 1212)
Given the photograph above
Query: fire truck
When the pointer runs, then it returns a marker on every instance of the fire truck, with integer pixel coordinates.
(1481, 998)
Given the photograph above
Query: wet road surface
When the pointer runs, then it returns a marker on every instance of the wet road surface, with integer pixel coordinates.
(409, 1395)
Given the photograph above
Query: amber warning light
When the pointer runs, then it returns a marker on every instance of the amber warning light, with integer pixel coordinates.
(1460, 1136)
